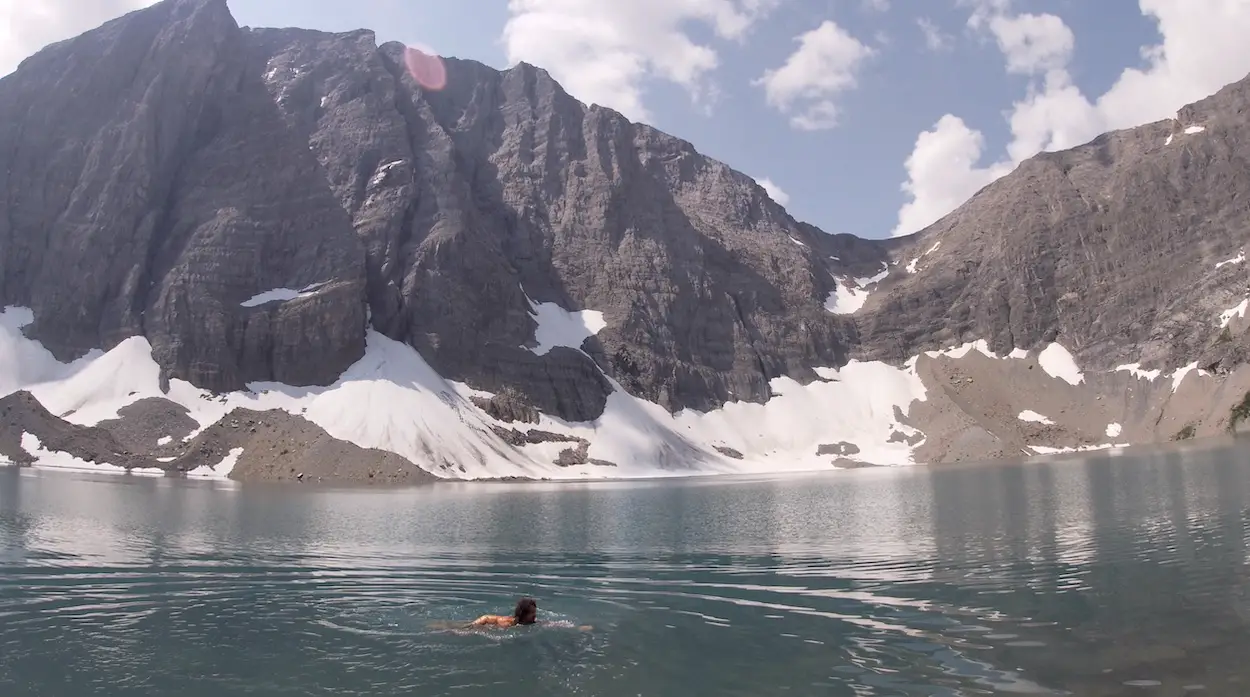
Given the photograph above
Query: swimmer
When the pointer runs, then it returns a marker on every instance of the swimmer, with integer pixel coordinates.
(525, 613)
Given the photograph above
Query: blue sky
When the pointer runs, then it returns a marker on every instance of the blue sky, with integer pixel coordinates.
(928, 106)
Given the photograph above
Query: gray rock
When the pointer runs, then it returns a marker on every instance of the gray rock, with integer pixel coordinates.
(1110, 248)
(151, 186)
(21, 413)
(842, 448)
(278, 446)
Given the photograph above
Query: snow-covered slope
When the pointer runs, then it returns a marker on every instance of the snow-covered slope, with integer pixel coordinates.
(393, 400)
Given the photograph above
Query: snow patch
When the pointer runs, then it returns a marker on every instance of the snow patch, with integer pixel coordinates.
(1113, 430)
(164, 440)
(1241, 256)
(1034, 417)
(1178, 376)
(1136, 371)
(559, 327)
(281, 295)
(911, 265)
(1239, 311)
(1169, 140)
(325, 101)
(1044, 450)
(980, 345)
(792, 239)
(1018, 354)
(380, 175)
(855, 404)
(221, 470)
(1192, 130)
(1058, 363)
(851, 293)
(55, 459)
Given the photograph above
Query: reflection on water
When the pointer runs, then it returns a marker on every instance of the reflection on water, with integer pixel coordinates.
(1097, 577)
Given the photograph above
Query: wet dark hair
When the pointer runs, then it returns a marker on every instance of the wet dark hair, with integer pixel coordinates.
(526, 611)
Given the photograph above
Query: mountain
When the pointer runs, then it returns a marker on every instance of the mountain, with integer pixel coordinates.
(494, 279)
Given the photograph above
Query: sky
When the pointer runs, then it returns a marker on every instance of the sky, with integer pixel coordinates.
(870, 117)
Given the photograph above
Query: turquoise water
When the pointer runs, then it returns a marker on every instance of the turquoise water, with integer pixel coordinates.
(1097, 577)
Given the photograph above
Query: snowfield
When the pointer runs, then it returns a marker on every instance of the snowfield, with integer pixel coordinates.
(851, 293)
(392, 400)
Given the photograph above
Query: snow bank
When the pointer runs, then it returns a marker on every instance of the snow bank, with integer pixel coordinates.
(281, 295)
(221, 470)
(1113, 430)
(911, 265)
(1237, 311)
(1034, 417)
(851, 293)
(1241, 257)
(1178, 375)
(1044, 450)
(55, 459)
(856, 404)
(392, 400)
(1136, 371)
(846, 299)
(1058, 363)
(981, 346)
(559, 327)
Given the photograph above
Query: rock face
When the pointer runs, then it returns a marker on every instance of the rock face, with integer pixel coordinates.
(251, 201)
(502, 186)
(1114, 248)
(152, 186)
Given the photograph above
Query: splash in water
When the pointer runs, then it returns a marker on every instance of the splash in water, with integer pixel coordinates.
(426, 68)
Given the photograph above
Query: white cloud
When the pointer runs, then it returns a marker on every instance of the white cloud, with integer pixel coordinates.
(1203, 48)
(877, 5)
(1033, 43)
(824, 65)
(602, 51)
(28, 25)
(775, 192)
(934, 38)
(950, 147)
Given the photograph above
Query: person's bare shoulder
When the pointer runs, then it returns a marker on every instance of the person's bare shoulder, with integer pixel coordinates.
(494, 620)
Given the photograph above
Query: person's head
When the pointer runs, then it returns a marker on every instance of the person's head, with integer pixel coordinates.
(526, 611)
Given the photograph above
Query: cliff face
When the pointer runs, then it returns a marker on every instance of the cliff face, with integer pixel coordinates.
(502, 186)
(1115, 248)
(252, 201)
(151, 186)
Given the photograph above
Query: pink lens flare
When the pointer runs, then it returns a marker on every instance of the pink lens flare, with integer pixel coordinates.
(426, 68)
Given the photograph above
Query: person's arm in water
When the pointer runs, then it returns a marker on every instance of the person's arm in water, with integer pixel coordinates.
(496, 620)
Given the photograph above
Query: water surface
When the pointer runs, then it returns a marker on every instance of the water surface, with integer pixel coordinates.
(1125, 576)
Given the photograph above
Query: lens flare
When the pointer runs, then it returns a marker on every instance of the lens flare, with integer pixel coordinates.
(426, 68)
